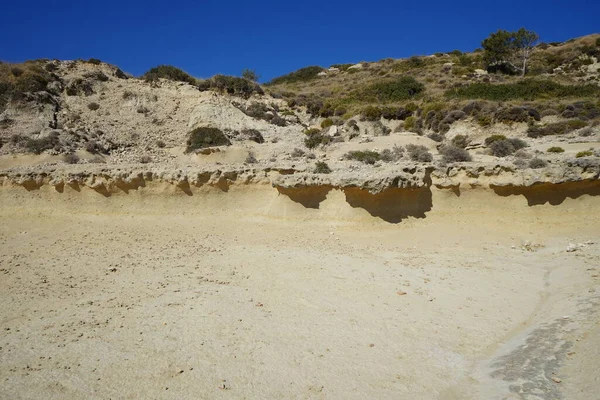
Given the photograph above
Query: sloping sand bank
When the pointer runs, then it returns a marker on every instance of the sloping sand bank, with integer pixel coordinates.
(247, 291)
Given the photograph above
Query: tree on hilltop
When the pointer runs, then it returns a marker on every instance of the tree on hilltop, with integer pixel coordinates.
(509, 52)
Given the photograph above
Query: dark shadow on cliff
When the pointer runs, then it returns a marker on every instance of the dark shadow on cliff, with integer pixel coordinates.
(308, 196)
(552, 193)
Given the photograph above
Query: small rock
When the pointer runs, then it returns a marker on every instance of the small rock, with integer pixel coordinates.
(555, 379)
(571, 248)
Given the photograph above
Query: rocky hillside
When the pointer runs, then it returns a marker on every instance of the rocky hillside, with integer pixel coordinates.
(431, 110)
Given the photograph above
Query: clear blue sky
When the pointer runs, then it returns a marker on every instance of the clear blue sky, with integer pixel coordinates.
(209, 37)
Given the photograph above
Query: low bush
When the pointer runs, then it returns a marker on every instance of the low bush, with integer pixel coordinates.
(145, 159)
(160, 144)
(585, 153)
(37, 146)
(94, 61)
(516, 114)
(93, 106)
(452, 153)
(168, 72)
(326, 123)
(79, 86)
(314, 138)
(555, 149)
(506, 147)
(528, 89)
(96, 76)
(409, 123)
(302, 75)
(557, 128)
(206, 137)
(461, 141)
(537, 163)
(232, 85)
(494, 138)
(380, 129)
(436, 137)
(400, 89)
(418, 153)
(395, 154)
(322, 168)
(367, 157)
(371, 113)
(254, 135)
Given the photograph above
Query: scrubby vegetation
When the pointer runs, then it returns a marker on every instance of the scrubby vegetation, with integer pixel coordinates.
(168, 72)
(585, 153)
(18, 79)
(418, 153)
(322, 168)
(558, 128)
(528, 89)
(366, 156)
(301, 75)
(555, 149)
(452, 153)
(505, 147)
(206, 137)
(537, 163)
(315, 138)
(387, 91)
(232, 85)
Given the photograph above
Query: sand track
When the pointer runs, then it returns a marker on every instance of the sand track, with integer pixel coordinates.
(252, 292)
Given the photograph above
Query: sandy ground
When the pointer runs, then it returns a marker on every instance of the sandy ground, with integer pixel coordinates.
(247, 295)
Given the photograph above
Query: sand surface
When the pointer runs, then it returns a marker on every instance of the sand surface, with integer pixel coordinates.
(247, 294)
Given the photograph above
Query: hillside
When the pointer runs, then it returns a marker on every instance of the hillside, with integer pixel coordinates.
(89, 111)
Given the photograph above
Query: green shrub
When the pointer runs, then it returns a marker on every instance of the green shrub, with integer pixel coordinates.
(206, 137)
(326, 123)
(168, 72)
(528, 89)
(93, 106)
(371, 113)
(555, 149)
(302, 75)
(367, 157)
(409, 123)
(585, 153)
(400, 89)
(452, 153)
(94, 61)
(418, 153)
(484, 120)
(322, 168)
(557, 128)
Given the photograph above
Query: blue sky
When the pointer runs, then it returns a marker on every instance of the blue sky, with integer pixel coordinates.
(209, 37)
